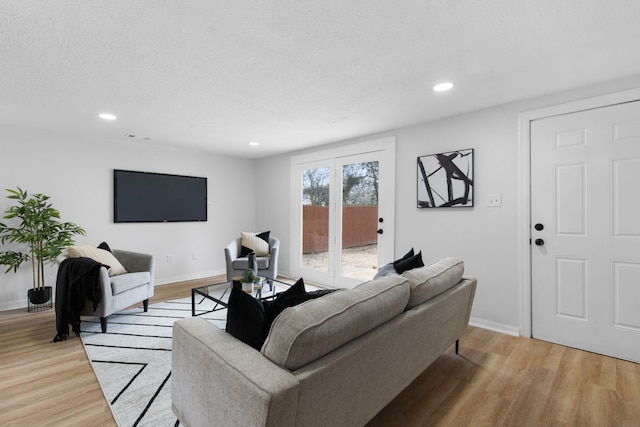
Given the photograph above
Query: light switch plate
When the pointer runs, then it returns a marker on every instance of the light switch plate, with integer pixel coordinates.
(495, 199)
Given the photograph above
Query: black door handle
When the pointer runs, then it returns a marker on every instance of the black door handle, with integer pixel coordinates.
(380, 231)
(539, 227)
(539, 242)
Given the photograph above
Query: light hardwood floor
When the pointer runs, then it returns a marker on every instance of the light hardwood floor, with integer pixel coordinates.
(496, 380)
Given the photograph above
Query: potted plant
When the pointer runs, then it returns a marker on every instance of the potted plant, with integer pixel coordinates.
(37, 227)
(248, 279)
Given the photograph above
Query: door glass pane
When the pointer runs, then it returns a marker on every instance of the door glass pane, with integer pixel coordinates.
(315, 219)
(359, 256)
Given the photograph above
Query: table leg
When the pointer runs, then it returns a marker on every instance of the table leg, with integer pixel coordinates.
(193, 302)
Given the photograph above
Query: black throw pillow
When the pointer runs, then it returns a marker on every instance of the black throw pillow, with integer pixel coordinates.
(245, 318)
(407, 255)
(403, 265)
(387, 269)
(295, 295)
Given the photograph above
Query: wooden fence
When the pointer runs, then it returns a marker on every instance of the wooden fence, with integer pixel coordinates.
(360, 224)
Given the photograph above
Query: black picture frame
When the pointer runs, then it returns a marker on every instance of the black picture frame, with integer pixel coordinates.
(445, 180)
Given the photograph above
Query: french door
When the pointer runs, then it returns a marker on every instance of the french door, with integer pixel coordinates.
(343, 224)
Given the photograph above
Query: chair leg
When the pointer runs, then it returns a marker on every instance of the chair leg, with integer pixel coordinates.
(457, 345)
(145, 305)
(103, 324)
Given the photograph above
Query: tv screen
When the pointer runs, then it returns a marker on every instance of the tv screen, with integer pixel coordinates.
(157, 197)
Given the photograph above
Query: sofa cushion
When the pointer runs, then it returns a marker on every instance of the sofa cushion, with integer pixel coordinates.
(427, 282)
(245, 318)
(303, 333)
(100, 255)
(124, 282)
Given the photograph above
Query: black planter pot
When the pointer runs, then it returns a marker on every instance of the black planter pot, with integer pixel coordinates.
(39, 299)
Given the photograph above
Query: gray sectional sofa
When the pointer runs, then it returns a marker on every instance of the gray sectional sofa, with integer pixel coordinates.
(332, 361)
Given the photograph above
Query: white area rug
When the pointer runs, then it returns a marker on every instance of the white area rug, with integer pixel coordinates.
(133, 359)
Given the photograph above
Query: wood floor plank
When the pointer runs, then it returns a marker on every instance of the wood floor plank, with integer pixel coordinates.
(496, 380)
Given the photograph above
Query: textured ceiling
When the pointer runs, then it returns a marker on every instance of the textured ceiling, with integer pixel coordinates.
(215, 75)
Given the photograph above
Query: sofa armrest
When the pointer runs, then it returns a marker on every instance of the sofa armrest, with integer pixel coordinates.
(218, 380)
(232, 250)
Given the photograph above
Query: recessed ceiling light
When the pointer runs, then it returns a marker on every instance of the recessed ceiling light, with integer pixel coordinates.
(443, 87)
(254, 143)
(107, 116)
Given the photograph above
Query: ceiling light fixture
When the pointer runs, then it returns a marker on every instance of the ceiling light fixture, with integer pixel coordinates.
(107, 116)
(254, 143)
(443, 87)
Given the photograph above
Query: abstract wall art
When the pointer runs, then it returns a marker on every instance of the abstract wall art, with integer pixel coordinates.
(446, 179)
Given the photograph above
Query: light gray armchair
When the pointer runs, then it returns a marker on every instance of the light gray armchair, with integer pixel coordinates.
(267, 265)
(124, 290)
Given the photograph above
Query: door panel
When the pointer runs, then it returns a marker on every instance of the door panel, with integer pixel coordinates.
(358, 210)
(626, 207)
(571, 200)
(585, 170)
(316, 186)
(571, 289)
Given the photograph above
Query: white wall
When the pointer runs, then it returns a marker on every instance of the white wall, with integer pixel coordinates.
(78, 175)
(486, 238)
(76, 172)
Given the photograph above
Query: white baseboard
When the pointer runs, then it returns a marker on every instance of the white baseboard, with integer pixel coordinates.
(495, 326)
(13, 305)
(186, 277)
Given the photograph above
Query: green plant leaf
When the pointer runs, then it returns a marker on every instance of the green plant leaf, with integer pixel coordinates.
(39, 230)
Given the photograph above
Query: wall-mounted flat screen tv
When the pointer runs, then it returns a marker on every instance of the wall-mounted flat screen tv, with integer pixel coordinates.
(157, 197)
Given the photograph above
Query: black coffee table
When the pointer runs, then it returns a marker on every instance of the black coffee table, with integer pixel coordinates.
(219, 293)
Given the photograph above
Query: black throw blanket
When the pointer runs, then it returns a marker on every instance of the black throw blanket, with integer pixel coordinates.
(78, 280)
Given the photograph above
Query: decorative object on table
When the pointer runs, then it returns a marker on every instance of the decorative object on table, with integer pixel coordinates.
(248, 280)
(44, 235)
(446, 179)
(253, 262)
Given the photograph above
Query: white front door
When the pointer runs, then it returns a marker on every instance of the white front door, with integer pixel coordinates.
(343, 223)
(585, 231)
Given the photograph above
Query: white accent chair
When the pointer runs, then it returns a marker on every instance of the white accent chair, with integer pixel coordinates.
(236, 265)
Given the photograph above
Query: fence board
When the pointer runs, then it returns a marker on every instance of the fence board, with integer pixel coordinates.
(360, 224)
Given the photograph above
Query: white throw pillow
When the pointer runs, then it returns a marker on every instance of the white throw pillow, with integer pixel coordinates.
(99, 255)
(255, 243)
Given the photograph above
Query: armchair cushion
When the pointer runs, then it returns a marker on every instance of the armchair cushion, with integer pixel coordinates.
(243, 263)
(100, 255)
